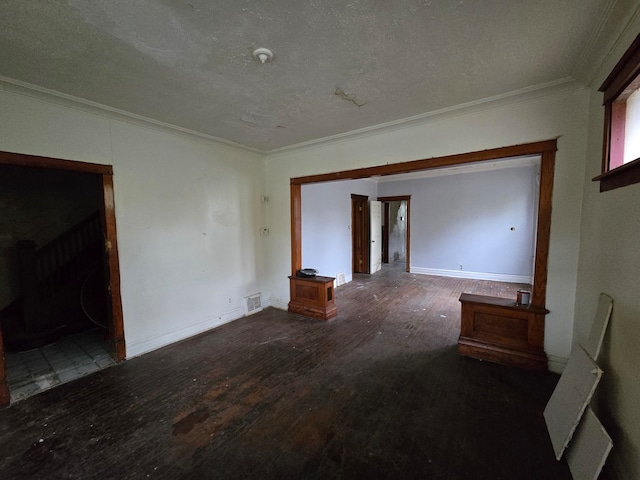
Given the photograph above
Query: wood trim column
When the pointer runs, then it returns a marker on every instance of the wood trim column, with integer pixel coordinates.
(113, 268)
(547, 167)
(296, 227)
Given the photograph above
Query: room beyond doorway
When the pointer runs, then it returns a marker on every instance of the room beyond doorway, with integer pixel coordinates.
(546, 151)
(108, 244)
(396, 230)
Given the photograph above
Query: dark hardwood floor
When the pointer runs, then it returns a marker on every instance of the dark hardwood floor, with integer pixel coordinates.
(378, 392)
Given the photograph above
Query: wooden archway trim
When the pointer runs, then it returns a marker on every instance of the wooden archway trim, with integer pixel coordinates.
(21, 160)
(105, 173)
(546, 149)
(525, 149)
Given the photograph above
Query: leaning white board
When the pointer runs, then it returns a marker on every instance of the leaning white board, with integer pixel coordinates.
(589, 448)
(599, 326)
(570, 398)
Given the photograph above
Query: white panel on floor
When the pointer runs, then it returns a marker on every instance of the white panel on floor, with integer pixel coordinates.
(599, 326)
(570, 398)
(589, 448)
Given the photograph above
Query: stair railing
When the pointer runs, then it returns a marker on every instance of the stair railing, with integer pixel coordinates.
(46, 271)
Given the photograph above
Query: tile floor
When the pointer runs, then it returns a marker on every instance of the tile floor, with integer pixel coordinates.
(72, 357)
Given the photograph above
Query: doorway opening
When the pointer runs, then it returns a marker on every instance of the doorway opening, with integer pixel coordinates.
(61, 314)
(396, 230)
(545, 149)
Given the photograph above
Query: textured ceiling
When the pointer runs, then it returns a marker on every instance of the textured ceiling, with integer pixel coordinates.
(338, 66)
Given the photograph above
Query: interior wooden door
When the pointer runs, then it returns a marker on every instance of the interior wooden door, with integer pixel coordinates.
(375, 236)
(360, 233)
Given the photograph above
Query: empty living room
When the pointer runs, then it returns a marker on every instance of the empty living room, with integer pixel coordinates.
(281, 239)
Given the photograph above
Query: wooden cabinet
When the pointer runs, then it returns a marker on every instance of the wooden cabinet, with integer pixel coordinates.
(501, 331)
(312, 297)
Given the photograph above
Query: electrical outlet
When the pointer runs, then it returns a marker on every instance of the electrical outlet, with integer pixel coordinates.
(459, 267)
(264, 199)
(264, 232)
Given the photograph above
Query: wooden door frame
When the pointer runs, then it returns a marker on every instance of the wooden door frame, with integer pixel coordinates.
(385, 232)
(546, 149)
(360, 235)
(108, 218)
(399, 198)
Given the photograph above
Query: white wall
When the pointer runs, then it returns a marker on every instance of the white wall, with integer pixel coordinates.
(461, 224)
(326, 224)
(460, 219)
(610, 262)
(560, 113)
(188, 213)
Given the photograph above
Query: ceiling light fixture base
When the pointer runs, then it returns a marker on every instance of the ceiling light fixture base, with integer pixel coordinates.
(263, 54)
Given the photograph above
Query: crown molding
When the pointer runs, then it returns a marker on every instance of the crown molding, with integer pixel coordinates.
(584, 68)
(513, 97)
(602, 50)
(87, 106)
(69, 101)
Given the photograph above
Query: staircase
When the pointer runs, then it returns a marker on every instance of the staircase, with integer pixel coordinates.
(52, 280)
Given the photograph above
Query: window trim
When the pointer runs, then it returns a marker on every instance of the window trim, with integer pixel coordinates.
(623, 74)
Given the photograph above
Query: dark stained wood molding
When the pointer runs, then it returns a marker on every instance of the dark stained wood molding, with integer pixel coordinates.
(400, 198)
(386, 214)
(545, 198)
(606, 143)
(545, 148)
(623, 80)
(296, 228)
(360, 234)
(18, 159)
(113, 263)
(436, 162)
(627, 174)
(105, 173)
(627, 68)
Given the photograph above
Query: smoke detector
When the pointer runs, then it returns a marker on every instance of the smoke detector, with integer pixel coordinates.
(263, 54)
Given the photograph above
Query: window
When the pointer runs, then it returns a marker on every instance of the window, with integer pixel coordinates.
(621, 152)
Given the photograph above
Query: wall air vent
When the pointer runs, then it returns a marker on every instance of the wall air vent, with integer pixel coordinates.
(252, 304)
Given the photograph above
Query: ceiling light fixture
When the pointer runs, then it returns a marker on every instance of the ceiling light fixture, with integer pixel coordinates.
(263, 54)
